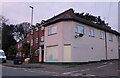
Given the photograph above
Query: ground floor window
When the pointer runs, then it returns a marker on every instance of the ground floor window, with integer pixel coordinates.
(52, 53)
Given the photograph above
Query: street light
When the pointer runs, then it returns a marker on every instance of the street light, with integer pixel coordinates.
(31, 15)
(31, 27)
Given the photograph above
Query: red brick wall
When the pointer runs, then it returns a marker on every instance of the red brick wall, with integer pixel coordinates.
(28, 36)
(36, 45)
(41, 33)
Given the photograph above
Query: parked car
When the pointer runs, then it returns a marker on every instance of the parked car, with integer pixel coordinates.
(2, 56)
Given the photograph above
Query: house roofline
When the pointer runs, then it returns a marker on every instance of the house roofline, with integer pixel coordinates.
(61, 17)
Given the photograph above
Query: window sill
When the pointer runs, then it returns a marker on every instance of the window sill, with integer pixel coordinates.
(91, 36)
(78, 33)
(102, 38)
(111, 40)
(52, 34)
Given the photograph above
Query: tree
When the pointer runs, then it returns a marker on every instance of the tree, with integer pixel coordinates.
(20, 30)
(26, 48)
(7, 37)
(12, 50)
(94, 19)
(3, 19)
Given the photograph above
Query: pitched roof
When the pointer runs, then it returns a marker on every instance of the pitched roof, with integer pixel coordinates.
(70, 15)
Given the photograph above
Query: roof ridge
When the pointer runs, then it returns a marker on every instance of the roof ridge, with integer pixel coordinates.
(66, 11)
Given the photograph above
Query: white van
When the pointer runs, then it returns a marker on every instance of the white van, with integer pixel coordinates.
(2, 56)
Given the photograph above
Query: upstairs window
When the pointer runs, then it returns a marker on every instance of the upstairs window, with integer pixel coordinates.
(52, 30)
(36, 40)
(110, 37)
(42, 39)
(91, 32)
(31, 31)
(28, 41)
(79, 29)
(36, 28)
(31, 42)
(102, 34)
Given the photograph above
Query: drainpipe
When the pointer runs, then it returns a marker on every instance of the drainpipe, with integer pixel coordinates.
(106, 45)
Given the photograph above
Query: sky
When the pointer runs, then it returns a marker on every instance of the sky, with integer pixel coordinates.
(18, 12)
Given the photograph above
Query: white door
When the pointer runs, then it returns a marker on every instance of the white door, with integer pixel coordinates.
(67, 53)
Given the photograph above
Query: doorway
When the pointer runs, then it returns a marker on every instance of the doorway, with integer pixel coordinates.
(42, 54)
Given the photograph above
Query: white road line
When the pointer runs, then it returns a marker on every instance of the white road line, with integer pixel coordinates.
(111, 63)
(102, 66)
(78, 74)
(67, 73)
(86, 69)
(90, 75)
(74, 72)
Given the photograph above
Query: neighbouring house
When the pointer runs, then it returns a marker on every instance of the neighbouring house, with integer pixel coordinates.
(0, 37)
(19, 45)
(69, 38)
(119, 46)
(35, 37)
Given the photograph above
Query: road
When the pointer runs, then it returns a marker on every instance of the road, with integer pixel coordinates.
(11, 71)
(111, 68)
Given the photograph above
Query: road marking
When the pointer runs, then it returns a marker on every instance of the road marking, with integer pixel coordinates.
(102, 66)
(67, 73)
(105, 63)
(90, 75)
(78, 74)
(111, 63)
(86, 69)
(74, 72)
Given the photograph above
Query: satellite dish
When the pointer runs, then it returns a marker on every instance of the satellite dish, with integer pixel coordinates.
(78, 35)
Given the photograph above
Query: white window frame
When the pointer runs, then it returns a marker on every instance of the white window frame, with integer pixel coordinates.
(31, 31)
(36, 40)
(52, 30)
(110, 37)
(42, 39)
(79, 29)
(91, 32)
(36, 28)
(28, 41)
(102, 35)
(31, 42)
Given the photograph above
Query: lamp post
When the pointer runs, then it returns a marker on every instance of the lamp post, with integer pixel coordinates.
(31, 15)
(31, 28)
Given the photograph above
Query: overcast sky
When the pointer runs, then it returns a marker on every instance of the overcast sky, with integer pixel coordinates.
(18, 12)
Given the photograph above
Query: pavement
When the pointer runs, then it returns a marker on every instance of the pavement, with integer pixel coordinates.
(32, 65)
